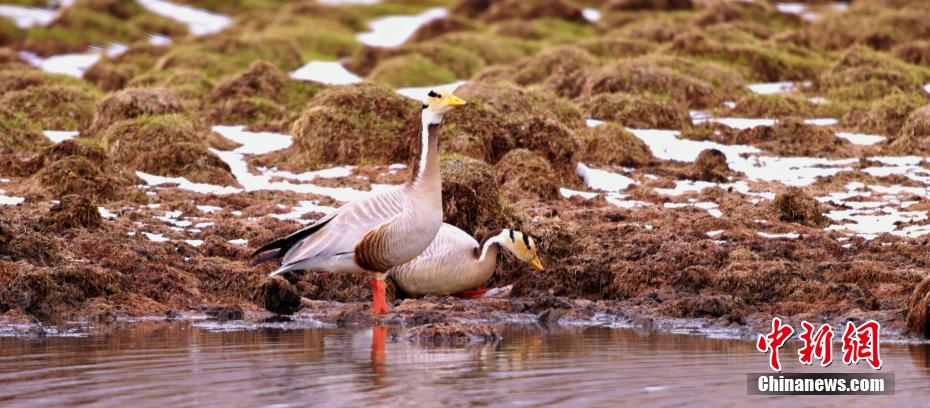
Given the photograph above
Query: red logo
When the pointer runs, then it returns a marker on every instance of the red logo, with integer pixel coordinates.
(816, 345)
(774, 341)
(861, 343)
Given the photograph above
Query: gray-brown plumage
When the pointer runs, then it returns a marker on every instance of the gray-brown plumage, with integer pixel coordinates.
(378, 232)
(455, 262)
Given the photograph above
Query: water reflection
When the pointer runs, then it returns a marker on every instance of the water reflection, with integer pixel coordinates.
(179, 363)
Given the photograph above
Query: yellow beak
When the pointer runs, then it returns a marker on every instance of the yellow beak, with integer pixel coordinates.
(536, 264)
(456, 102)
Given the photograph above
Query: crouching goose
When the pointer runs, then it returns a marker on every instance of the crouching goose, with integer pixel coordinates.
(456, 263)
(381, 231)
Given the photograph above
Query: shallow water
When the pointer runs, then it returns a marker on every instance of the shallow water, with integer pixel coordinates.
(159, 363)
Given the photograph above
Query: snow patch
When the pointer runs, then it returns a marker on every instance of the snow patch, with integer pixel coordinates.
(603, 180)
(25, 17)
(391, 31)
(591, 14)
(326, 72)
(58, 136)
(861, 139)
(199, 22)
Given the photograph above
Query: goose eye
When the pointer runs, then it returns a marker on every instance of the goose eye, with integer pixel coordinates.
(432, 94)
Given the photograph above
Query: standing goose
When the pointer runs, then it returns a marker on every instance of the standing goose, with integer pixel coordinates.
(456, 263)
(381, 231)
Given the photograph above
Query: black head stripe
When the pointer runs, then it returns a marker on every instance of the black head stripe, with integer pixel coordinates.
(526, 240)
(511, 236)
(432, 94)
(425, 106)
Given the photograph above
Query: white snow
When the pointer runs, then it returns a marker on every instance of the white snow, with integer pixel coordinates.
(711, 207)
(254, 142)
(791, 8)
(9, 200)
(927, 88)
(240, 241)
(772, 88)
(155, 237)
(157, 39)
(209, 209)
(822, 121)
(569, 193)
(787, 235)
(25, 17)
(185, 184)
(58, 136)
(302, 208)
(603, 180)
(199, 22)
(735, 123)
(194, 242)
(714, 233)
(419, 93)
(593, 122)
(105, 213)
(860, 138)
(326, 72)
(391, 31)
(591, 14)
(66, 64)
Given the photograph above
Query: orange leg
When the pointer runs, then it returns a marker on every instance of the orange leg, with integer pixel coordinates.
(473, 293)
(379, 304)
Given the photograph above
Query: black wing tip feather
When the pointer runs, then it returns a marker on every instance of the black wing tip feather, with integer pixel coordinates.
(284, 244)
(267, 257)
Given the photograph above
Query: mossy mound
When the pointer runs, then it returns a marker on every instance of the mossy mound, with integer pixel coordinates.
(470, 198)
(73, 211)
(410, 70)
(440, 26)
(54, 107)
(915, 52)
(918, 310)
(724, 11)
(885, 116)
(611, 144)
(870, 24)
(560, 70)
(189, 160)
(788, 137)
(353, 124)
(697, 85)
(19, 134)
(636, 5)
(114, 73)
(754, 58)
(914, 137)
(501, 116)
(638, 111)
(132, 103)
(753, 105)
(522, 173)
(98, 22)
(262, 97)
(490, 11)
(77, 175)
(711, 165)
(795, 205)
(865, 75)
(9, 58)
(190, 87)
(279, 296)
(614, 48)
(46, 293)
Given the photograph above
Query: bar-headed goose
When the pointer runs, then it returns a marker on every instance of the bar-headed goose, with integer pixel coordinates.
(456, 263)
(381, 231)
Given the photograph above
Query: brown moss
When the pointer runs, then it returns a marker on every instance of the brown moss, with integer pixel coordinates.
(638, 111)
(352, 124)
(449, 333)
(753, 105)
(262, 97)
(189, 160)
(126, 140)
(914, 137)
(711, 165)
(916, 52)
(50, 293)
(20, 135)
(612, 144)
(722, 11)
(795, 205)
(73, 211)
(522, 173)
(758, 281)
(437, 27)
(561, 70)
(869, 24)
(55, 107)
(279, 296)
(634, 5)
(866, 75)
(918, 310)
(131, 103)
(114, 73)
(525, 10)
(78, 175)
(692, 84)
(611, 47)
(787, 137)
(470, 198)
(885, 116)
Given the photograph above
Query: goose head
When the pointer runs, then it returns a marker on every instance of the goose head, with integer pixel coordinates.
(439, 103)
(522, 246)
